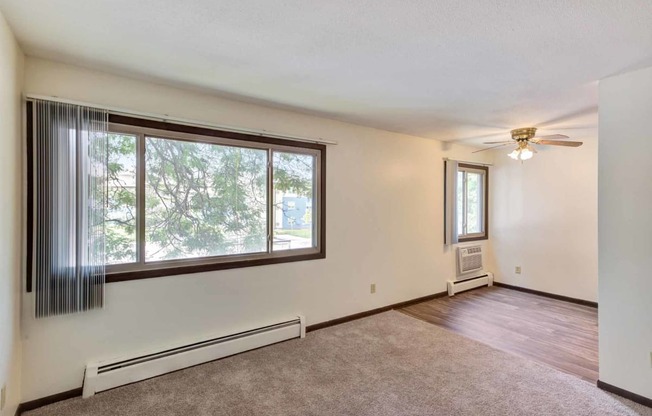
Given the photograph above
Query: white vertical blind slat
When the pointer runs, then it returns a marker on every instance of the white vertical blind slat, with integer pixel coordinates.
(450, 210)
(70, 174)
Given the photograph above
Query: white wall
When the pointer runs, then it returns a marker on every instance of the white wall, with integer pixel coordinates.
(625, 232)
(544, 218)
(11, 73)
(384, 225)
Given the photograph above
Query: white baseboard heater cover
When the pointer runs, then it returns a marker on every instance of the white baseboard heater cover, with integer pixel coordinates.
(104, 375)
(457, 286)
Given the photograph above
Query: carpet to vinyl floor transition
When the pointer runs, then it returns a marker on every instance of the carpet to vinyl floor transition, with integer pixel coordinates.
(386, 364)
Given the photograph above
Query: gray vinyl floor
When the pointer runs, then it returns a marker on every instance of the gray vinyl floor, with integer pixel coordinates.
(386, 364)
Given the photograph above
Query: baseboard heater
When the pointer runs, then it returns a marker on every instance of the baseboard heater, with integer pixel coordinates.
(104, 375)
(462, 284)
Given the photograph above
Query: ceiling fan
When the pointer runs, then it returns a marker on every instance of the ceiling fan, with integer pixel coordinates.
(523, 138)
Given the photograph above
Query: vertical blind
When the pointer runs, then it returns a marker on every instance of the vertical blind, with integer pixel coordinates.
(451, 233)
(70, 177)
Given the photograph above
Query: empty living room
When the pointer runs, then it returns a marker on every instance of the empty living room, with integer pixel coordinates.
(325, 208)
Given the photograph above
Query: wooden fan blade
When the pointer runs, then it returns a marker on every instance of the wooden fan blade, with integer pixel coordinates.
(551, 137)
(560, 143)
(503, 142)
(492, 147)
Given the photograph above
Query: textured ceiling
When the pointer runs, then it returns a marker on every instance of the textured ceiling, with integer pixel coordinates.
(446, 69)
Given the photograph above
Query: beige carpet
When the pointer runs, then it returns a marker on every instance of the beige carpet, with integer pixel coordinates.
(387, 364)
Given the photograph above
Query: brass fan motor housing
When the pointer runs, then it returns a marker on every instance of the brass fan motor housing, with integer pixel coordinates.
(524, 134)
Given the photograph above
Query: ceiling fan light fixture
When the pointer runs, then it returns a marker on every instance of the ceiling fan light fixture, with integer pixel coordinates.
(526, 153)
(523, 137)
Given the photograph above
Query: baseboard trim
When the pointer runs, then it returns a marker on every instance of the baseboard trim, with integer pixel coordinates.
(364, 314)
(548, 295)
(637, 398)
(44, 401)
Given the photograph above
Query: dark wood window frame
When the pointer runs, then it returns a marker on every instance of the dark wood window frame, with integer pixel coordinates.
(118, 119)
(485, 236)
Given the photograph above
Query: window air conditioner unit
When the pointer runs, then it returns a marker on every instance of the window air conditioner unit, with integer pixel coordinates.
(470, 274)
(469, 260)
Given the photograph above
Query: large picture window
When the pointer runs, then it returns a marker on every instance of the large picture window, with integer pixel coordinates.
(181, 200)
(184, 199)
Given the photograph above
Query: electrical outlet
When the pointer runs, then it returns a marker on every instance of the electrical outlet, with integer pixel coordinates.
(373, 288)
(517, 270)
(3, 397)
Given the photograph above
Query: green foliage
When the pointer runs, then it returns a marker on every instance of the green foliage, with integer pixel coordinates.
(204, 200)
(200, 199)
(473, 198)
(293, 173)
(121, 202)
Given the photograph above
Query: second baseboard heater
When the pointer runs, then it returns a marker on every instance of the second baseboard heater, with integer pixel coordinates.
(457, 286)
(104, 375)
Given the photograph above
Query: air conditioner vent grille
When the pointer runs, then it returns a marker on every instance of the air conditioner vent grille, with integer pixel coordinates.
(469, 259)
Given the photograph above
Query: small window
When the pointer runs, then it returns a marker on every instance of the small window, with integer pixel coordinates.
(465, 202)
(471, 202)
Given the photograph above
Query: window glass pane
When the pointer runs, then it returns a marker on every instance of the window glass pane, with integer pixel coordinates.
(294, 208)
(474, 182)
(203, 200)
(121, 208)
(459, 215)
